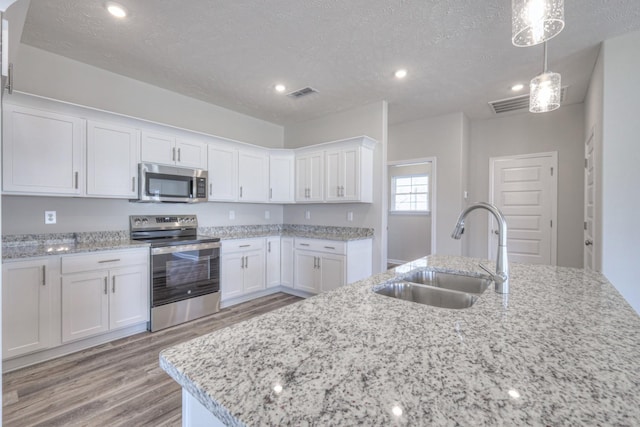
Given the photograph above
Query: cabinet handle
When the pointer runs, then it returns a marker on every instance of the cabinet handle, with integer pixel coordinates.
(44, 275)
(178, 154)
(269, 247)
(307, 193)
(173, 157)
(9, 85)
(241, 191)
(270, 193)
(304, 244)
(318, 263)
(242, 262)
(109, 260)
(113, 284)
(211, 189)
(105, 284)
(244, 246)
(329, 247)
(133, 184)
(338, 190)
(341, 191)
(76, 179)
(246, 263)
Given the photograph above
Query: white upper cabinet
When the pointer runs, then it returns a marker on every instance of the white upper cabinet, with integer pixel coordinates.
(169, 150)
(42, 152)
(113, 154)
(349, 171)
(253, 175)
(281, 176)
(309, 176)
(223, 173)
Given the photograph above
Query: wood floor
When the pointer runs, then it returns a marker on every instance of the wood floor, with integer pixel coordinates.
(115, 384)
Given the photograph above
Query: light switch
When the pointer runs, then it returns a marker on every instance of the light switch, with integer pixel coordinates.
(350, 216)
(232, 214)
(267, 214)
(49, 217)
(307, 214)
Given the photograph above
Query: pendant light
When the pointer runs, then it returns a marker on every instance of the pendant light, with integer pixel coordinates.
(545, 90)
(535, 21)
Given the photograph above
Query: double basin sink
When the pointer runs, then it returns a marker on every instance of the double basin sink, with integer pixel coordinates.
(435, 288)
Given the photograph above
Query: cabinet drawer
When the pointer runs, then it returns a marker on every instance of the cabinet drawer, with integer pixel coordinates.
(318, 245)
(102, 260)
(240, 245)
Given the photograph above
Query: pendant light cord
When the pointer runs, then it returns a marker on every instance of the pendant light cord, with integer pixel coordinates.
(544, 64)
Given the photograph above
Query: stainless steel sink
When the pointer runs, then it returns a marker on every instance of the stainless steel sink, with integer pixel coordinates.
(428, 295)
(451, 281)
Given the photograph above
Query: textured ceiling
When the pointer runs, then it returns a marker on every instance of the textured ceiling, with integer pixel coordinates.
(231, 53)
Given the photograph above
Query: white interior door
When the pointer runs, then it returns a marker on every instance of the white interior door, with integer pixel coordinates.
(589, 204)
(524, 188)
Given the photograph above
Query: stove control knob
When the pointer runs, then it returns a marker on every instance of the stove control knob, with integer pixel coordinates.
(136, 221)
(145, 221)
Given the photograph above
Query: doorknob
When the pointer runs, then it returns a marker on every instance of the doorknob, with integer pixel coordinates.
(588, 242)
(496, 232)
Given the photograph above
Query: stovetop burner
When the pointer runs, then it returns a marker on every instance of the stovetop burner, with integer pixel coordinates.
(167, 230)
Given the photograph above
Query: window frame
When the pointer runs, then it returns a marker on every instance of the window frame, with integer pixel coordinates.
(392, 204)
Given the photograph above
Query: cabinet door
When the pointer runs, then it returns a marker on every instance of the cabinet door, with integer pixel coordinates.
(26, 308)
(253, 176)
(305, 271)
(254, 277)
(301, 178)
(333, 175)
(273, 262)
(332, 272)
(316, 177)
(281, 179)
(85, 305)
(223, 173)
(192, 154)
(42, 152)
(112, 160)
(286, 261)
(231, 275)
(158, 148)
(350, 174)
(128, 297)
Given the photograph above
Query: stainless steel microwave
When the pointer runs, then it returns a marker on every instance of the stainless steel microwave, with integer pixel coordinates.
(162, 183)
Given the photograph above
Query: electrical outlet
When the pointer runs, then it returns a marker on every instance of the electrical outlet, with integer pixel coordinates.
(349, 216)
(49, 217)
(267, 215)
(307, 214)
(232, 214)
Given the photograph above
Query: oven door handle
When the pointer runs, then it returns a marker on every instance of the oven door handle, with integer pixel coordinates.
(184, 248)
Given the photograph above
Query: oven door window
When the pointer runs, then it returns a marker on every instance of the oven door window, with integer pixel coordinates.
(185, 274)
(161, 185)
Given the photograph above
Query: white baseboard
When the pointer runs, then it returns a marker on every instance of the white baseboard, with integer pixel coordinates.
(263, 293)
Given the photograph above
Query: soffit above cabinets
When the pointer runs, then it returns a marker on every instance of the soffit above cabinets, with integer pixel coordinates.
(458, 54)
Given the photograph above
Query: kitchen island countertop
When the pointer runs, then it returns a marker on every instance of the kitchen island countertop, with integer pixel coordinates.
(561, 348)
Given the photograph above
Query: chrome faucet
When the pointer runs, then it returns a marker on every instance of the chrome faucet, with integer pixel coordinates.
(501, 276)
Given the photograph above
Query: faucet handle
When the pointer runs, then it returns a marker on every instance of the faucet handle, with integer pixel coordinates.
(485, 268)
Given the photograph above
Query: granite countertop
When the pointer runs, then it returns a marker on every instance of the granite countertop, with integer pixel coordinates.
(18, 247)
(288, 230)
(561, 349)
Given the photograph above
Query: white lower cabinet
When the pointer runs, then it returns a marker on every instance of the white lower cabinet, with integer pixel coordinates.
(103, 292)
(286, 261)
(26, 307)
(242, 267)
(323, 265)
(273, 266)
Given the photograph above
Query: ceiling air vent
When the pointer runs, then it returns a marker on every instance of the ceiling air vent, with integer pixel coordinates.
(302, 92)
(518, 103)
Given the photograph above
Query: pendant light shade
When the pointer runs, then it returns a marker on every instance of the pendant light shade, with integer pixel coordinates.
(536, 21)
(545, 90)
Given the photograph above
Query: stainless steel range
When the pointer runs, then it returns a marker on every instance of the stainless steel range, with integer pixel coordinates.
(185, 268)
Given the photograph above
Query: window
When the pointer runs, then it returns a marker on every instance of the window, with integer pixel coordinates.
(410, 193)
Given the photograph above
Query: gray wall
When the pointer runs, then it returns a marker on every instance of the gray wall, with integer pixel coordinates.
(621, 165)
(444, 138)
(370, 120)
(562, 131)
(54, 76)
(25, 214)
(409, 235)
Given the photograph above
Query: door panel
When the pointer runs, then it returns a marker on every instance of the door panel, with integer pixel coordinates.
(524, 189)
(589, 205)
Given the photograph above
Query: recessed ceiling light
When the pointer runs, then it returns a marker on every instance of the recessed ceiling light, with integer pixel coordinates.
(280, 88)
(517, 87)
(400, 74)
(116, 9)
